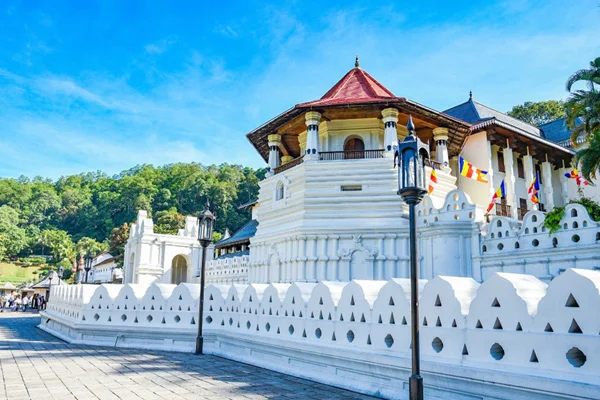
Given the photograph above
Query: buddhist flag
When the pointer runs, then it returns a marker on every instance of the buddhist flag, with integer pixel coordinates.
(578, 178)
(467, 169)
(500, 193)
(534, 189)
(432, 180)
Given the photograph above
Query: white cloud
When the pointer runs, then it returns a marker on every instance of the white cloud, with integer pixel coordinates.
(159, 47)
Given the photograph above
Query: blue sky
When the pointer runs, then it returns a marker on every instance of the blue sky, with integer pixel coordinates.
(105, 85)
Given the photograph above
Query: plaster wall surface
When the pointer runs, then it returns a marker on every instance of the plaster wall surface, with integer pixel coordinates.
(511, 337)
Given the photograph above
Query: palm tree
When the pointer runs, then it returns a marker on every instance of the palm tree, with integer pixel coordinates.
(583, 117)
(589, 158)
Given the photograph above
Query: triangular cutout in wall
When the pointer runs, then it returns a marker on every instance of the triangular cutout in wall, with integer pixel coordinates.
(571, 302)
(533, 357)
(497, 324)
(574, 328)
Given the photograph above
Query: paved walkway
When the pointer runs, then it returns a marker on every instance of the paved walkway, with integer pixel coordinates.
(36, 365)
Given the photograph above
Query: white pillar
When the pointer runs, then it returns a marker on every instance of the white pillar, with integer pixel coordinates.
(440, 135)
(274, 142)
(390, 134)
(490, 169)
(548, 190)
(509, 181)
(529, 174)
(564, 184)
(313, 119)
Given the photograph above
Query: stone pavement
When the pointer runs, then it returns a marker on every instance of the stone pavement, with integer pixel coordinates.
(36, 365)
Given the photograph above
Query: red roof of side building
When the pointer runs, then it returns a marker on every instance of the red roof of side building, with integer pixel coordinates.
(357, 86)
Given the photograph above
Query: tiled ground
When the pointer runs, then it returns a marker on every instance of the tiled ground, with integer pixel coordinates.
(36, 365)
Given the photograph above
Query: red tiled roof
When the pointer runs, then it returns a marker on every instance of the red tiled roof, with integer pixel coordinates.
(357, 86)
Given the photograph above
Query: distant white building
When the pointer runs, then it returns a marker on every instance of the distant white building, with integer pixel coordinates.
(104, 269)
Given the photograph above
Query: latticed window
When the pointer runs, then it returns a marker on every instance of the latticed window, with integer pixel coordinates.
(501, 167)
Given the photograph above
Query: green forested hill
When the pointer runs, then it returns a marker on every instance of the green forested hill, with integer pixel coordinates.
(93, 211)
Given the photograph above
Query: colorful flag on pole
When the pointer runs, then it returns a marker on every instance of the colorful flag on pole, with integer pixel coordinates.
(467, 169)
(578, 178)
(500, 193)
(432, 180)
(534, 189)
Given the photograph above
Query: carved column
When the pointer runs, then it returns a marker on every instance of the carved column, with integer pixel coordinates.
(529, 175)
(548, 189)
(390, 135)
(313, 119)
(440, 135)
(564, 184)
(509, 181)
(274, 142)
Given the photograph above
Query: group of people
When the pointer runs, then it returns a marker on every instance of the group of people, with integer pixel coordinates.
(16, 302)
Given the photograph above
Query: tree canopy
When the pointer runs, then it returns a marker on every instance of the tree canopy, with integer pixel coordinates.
(540, 112)
(92, 211)
(583, 117)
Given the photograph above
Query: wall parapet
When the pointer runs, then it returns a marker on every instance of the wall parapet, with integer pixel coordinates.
(507, 245)
(512, 322)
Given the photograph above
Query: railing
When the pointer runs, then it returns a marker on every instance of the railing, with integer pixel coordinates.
(288, 165)
(350, 155)
(432, 163)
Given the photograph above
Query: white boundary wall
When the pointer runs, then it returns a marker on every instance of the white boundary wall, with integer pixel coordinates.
(512, 337)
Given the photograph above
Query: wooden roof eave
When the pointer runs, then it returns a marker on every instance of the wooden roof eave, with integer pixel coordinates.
(556, 151)
(459, 129)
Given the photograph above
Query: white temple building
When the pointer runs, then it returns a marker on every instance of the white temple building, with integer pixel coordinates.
(315, 284)
(328, 208)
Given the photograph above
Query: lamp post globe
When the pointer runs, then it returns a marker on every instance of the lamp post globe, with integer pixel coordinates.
(61, 271)
(88, 264)
(411, 155)
(206, 221)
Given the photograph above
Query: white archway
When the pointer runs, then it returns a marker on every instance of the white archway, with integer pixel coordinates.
(179, 269)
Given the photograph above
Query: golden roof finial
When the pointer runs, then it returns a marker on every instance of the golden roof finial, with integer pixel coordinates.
(356, 62)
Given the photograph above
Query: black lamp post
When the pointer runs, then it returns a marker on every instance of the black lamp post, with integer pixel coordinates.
(206, 222)
(88, 264)
(411, 155)
(51, 275)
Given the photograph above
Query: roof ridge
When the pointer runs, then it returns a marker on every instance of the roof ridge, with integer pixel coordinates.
(501, 112)
(333, 91)
(376, 82)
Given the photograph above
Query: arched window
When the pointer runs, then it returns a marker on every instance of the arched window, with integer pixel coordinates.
(354, 148)
(279, 191)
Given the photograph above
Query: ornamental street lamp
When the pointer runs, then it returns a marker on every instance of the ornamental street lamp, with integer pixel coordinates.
(206, 222)
(88, 265)
(61, 271)
(411, 155)
(51, 275)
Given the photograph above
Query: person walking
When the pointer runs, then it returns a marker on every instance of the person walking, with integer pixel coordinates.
(26, 300)
(17, 303)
